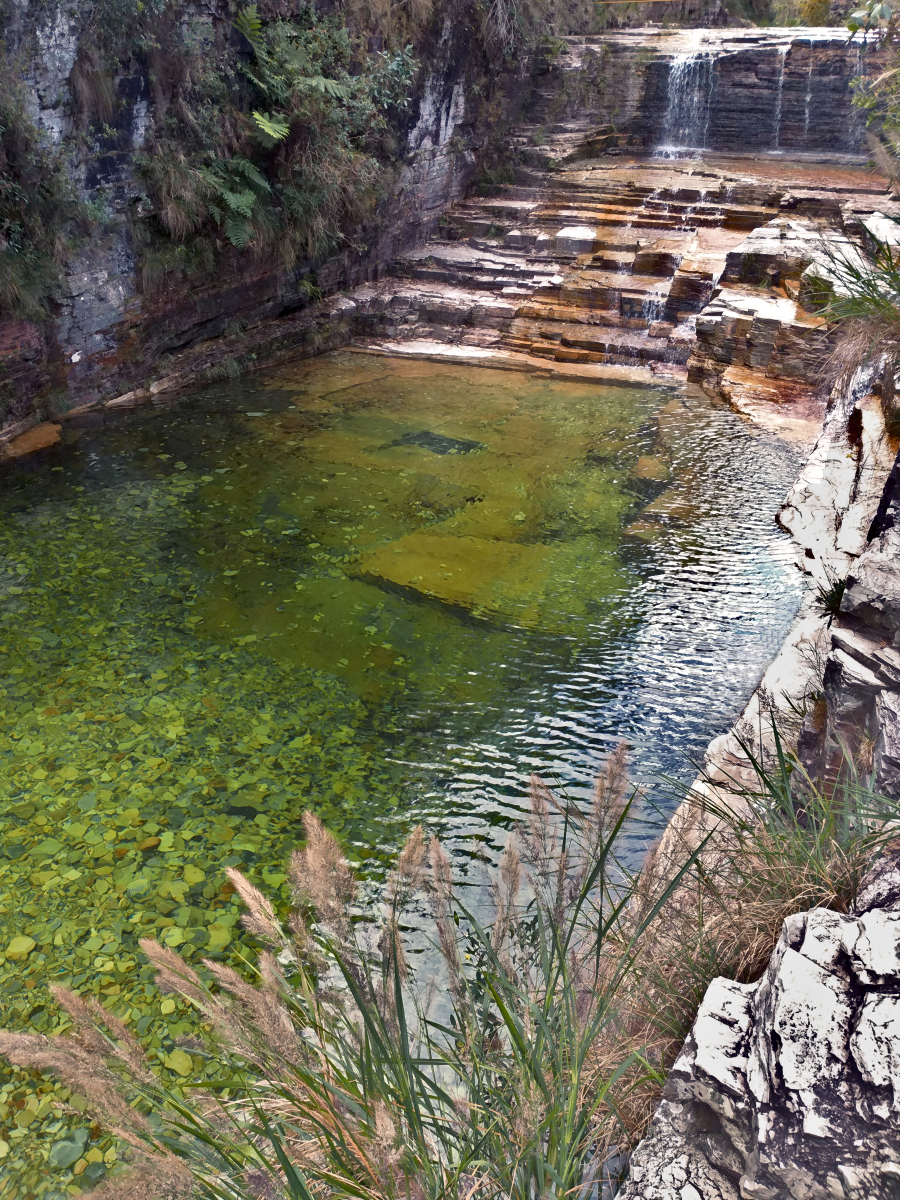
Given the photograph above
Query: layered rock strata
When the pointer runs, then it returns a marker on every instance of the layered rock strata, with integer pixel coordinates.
(602, 268)
(790, 1087)
(108, 333)
(651, 260)
(859, 709)
(601, 263)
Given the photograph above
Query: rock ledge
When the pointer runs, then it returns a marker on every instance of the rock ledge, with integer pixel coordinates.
(790, 1087)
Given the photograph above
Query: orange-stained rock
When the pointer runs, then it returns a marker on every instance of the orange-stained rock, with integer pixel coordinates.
(38, 438)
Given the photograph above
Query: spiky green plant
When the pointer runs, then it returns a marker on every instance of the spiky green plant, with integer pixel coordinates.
(829, 595)
(342, 1080)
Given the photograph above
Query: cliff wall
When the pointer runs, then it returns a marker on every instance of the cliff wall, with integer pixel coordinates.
(110, 331)
(107, 328)
(739, 91)
(787, 1089)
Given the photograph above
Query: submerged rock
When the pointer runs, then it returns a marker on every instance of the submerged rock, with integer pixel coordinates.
(465, 571)
(39, 437)
(535, 585)
(437, 443)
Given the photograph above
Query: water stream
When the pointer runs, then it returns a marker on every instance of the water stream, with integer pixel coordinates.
(689, 89)
(779, 97)
(807, 98)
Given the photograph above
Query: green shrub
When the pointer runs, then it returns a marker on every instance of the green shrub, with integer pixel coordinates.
(335, 1076)
(280, 154)
(828, 597)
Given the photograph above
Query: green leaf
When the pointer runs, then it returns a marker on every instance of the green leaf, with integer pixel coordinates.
(237, 230)
(274, 130)
(328, 87)
(248, 23)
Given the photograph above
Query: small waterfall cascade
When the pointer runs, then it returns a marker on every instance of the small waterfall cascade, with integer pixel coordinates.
(807, 99)
(688, 102)
(653, 307)
(779, 98)
(642, 208)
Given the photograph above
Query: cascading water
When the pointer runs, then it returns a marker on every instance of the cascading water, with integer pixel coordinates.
(688, 103)
(685, 223)
(653, 307)
(807, 99)
(779, 97)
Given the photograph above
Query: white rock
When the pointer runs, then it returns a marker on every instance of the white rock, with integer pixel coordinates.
(875, 1043)
(576, 239)
(812, 1019)
(823, 942)
(875, 949)
(814, 1113)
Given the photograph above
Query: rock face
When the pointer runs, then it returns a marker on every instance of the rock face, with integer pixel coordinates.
(741, 89)
(734, 90)
(107, 333)
(789, 1088)
(860, 708)
(588, 97)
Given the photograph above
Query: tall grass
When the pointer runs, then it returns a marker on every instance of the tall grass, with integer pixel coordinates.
(557, 1018)
(860, 292)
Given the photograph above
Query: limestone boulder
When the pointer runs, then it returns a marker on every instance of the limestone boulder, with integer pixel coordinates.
(789, 1088)
(778, 249)
(873, 588)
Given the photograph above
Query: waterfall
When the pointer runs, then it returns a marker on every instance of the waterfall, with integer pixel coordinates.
(688, 96)
(653, 307)
(779, 96)
(807, 98)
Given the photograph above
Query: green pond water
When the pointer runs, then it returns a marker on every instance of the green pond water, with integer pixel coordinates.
(384, 590)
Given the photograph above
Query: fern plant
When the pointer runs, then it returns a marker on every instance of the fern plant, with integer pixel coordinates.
(281, 151)
(237, 188)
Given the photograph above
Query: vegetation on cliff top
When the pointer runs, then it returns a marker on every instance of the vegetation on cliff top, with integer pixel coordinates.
(38, 206)
(282, 152)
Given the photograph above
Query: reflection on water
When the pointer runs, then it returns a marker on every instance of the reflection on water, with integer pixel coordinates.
(388, 590)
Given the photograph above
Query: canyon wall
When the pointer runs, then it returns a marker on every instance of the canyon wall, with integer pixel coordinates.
(107, 331)
(739, 91)
(109, 334)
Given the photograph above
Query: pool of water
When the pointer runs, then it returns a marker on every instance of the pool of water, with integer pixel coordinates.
(387, 590)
